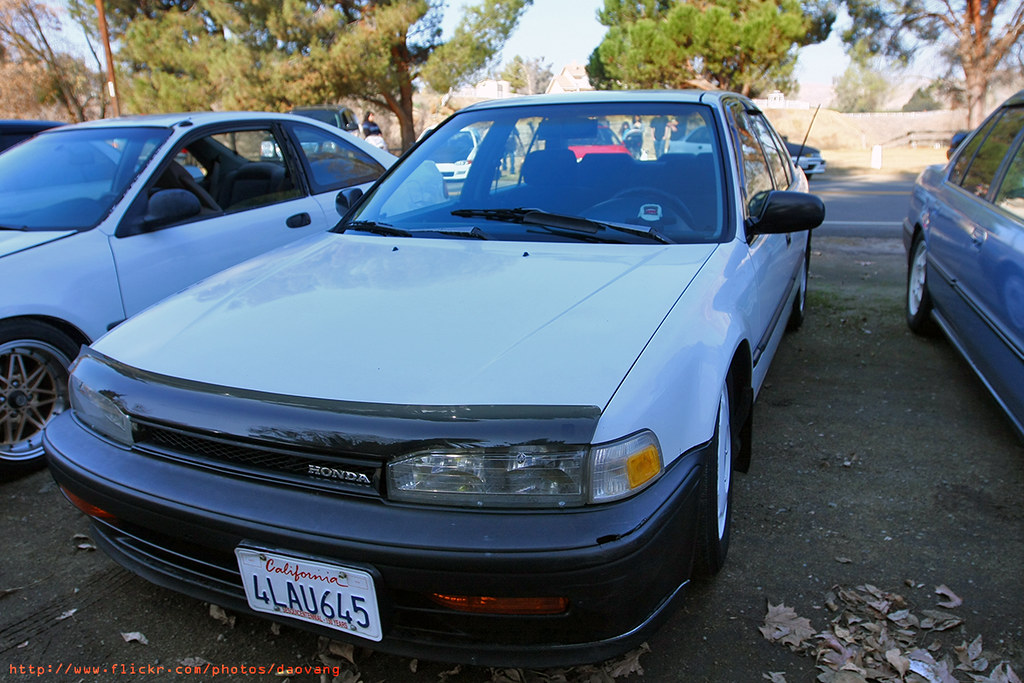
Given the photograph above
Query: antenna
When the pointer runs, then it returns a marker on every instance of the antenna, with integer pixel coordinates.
(809, 125)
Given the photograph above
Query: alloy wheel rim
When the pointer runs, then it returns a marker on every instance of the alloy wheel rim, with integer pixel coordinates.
(724, 474)
(33, 389)
(915, 290)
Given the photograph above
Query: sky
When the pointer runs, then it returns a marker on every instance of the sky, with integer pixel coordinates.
(560, 31)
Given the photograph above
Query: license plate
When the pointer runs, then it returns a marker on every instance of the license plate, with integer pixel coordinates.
(331, 595)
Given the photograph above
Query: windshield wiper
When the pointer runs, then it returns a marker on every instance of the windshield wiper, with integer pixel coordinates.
(375, 228)
(560, 221)
(474, 234)
(19, 228)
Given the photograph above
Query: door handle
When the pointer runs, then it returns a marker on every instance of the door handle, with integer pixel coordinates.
(299, 220)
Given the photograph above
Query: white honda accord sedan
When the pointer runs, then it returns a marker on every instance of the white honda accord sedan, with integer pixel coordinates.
(101, 219)
(494, 421)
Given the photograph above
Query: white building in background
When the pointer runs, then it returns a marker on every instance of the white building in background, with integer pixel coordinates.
(488, 89)
(573, 78)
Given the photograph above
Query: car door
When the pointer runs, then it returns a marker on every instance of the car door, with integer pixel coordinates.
(973, 241)
(992, 278)
(775, 258)
(252, 196)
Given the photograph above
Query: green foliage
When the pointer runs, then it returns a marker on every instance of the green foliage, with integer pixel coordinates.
(277, 54)
(923, 99)
(36, 71)
(478, 37)
(745, 45)
(975, 38)
(864, 85)
(527, 76)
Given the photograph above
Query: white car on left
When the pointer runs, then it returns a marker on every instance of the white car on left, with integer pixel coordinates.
(102, 219)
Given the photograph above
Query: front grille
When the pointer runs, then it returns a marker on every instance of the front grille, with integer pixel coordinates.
(325, 471)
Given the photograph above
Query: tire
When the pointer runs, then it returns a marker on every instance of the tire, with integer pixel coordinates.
(799, 312)
(34, 360)
(714, 515)
(918, 299)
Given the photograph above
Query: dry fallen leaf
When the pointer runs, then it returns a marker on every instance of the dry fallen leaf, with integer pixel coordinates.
(1003, 673)
(445, 675)
(932, 671)
(193, 661)
(781, 624)
(135, 637)
(775, 676)
(344, 650)
(67, 615)
(218, 613)
(939, 621)
(951, 599)
(970, 656)
(898, 662)
(628, 664)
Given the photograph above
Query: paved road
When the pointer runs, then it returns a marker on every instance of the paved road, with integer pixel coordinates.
(863, 205)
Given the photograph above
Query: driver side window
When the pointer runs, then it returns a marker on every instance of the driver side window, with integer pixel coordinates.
(220, 173)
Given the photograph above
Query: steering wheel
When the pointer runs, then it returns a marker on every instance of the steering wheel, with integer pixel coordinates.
(675, 204)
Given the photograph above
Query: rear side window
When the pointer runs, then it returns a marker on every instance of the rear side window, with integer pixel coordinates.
(779, 167)
(983, 167)
(332, 163)
(1010, 196)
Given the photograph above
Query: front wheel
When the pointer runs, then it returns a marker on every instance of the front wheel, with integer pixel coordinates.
(799, 312)
(919, 301)
(34, 360)
(715, 505)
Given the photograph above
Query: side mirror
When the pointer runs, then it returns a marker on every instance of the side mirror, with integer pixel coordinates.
(170, 206)
(783, 212)
(346, 199)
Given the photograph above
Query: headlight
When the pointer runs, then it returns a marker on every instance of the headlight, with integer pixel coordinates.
(522, 477)
(625, 467)
(528, 476)
(99, 412)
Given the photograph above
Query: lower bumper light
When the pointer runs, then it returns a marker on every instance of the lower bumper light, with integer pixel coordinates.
(489, 605)
(85, 506)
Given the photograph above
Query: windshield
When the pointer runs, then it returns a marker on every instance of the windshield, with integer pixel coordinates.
(624, 172)
(70, 179)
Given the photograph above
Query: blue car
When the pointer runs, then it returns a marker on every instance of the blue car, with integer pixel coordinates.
(965, 246)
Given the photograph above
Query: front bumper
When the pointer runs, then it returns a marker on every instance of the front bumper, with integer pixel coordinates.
(621, 565)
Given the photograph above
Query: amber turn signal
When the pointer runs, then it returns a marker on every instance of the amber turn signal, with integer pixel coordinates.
(487, 605)
(85, 506)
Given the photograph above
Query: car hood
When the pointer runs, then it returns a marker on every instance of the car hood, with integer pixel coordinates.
(13, 241)
(418, 321)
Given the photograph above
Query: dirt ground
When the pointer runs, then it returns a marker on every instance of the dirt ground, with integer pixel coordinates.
(879, 461)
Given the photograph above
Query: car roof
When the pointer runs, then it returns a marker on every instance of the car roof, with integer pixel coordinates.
(192, 118)
(1017, 98)
(711, 97)
(26, 125)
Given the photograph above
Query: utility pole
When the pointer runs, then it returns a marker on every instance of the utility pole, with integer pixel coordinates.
(115, 108)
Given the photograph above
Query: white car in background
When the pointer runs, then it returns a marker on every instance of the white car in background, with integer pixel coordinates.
(808, 158)
(102, 219)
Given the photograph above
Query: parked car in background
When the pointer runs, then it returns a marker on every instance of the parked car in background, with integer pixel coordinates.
(454, 159)
(13, 131)
(100, 220)
(332, 115)
(808, 158)
(963, 236)
(497, 425)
